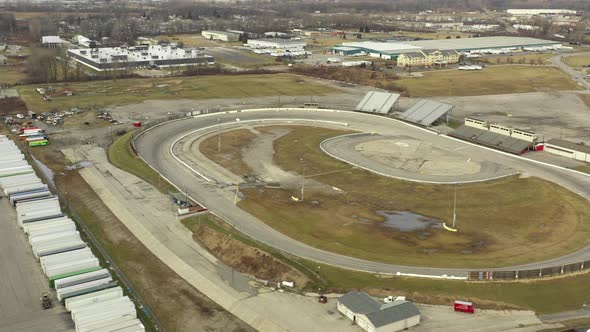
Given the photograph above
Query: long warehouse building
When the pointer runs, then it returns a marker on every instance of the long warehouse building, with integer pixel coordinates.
(391, 49)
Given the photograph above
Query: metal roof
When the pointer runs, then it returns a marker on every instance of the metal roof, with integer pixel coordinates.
(569, 145)
(359, 302)
(51, 39)
(480, 43)
(492, 139)
(461, 44)
(378, 314)
(377, 102)
(425, 112)
(393, 312)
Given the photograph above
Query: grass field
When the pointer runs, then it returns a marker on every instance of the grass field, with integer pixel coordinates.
(11, 74)
(533, 59)
(543, 296)
(489, 81)
(577, 61)
(128, 91)
(517, 228)
(121, 155)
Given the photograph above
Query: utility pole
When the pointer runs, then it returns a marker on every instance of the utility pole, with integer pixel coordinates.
(218, 135)
(455, 207)
(303, 183)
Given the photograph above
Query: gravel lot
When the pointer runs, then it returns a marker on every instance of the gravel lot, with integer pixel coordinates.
(552, 114)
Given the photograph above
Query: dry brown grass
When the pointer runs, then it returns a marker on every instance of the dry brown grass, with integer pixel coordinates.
(230, 156)
(501, 223)
(176, 304)
(242, 257)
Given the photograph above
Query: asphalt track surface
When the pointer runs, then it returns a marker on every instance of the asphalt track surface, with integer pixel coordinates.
(344, 148)
(155, 147)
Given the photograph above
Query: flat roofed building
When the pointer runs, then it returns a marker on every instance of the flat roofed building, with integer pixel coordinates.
(226, 36)
(344, 50)
(427, 58)
(277, 43)
(425, 112)
(391, 50)
(480, 43)
(373, 316)
(476, 123)
(568, 149)
(378, 102)
(533, 12)
(142, 56)
(52, 41)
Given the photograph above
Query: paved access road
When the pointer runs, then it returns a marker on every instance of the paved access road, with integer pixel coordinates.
(574, 74)
(154, 146)
(22, 281)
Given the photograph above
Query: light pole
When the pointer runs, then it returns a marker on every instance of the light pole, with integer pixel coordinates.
(218, 135)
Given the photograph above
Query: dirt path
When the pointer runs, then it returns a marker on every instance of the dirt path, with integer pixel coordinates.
(259, 156)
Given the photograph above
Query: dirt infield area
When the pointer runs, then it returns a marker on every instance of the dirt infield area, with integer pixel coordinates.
(357, 213)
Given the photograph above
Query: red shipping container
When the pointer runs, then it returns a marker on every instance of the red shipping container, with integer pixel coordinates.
(464, 306)
(136, 124)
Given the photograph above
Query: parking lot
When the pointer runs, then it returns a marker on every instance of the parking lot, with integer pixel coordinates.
(22, 282)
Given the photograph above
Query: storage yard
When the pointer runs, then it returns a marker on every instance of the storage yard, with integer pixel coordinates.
(91, 295)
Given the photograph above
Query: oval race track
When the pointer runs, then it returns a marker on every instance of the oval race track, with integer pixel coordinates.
(155, 147)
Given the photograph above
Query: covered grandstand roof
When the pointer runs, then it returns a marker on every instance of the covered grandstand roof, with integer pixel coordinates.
(425, 112)
(378, 102)
(491, 139)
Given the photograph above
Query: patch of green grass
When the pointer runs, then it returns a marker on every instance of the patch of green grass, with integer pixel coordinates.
(129, 91)
(12, 74)
(501, 223)
(577, 60)
(489, 81)
(543, 296)
(121, 155)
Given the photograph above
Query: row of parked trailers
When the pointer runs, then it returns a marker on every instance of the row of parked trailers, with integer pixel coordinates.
(88, 291)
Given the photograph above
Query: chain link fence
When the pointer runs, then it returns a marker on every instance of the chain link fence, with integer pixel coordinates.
(95, 244)
(529, 274)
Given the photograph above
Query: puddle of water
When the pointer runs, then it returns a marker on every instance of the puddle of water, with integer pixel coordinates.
(46, 170)
(81, 164)
(406, 221)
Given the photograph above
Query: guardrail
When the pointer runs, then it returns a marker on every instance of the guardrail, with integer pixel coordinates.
(471, 275)
(529, 274)
(95, 244)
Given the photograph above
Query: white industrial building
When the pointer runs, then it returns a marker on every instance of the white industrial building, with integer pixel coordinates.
(226, 36)
(52, 42)
(392, 49)
(142, 56)
(277, 43)
(373, 316)
(568, 149)
(534, 12)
